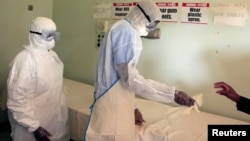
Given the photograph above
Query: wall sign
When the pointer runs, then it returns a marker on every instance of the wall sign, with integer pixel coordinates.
(196, 13)
(120, 10)
(234, 14)
(169, 11)
(101, 10)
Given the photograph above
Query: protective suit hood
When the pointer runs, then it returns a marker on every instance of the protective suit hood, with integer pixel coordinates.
(41, 26)
(145, 13)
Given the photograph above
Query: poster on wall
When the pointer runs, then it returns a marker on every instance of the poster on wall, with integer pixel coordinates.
(101, 10)
(120, 10)
(233, 14)
(169, 11)
(196, 13)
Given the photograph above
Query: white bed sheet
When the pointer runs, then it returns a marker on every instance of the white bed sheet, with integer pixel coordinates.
(79, 97)
(167, 123)
(163, 122)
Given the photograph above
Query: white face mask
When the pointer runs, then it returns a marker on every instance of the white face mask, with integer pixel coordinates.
(37, 42)
(142, 31)
(50, 44)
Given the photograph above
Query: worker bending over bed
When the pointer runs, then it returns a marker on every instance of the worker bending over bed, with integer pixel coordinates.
(117, 80)
(36, 104)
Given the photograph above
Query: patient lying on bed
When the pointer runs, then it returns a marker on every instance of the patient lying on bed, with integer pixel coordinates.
(167, 123)
(170, 123)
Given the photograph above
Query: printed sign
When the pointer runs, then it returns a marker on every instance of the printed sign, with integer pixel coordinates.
(102, 10)
(169, 11)
(234, 14)
(196, 13)
(120, 10)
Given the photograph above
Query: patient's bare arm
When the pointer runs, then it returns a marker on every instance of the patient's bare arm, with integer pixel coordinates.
(138, 117)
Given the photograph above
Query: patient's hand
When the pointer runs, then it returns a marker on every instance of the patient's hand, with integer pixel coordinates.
(138, 117)
(183, 99)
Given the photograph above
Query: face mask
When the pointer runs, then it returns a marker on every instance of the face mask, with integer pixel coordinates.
(48, 36)
(142, 31)
(50, 44)
(155, 34)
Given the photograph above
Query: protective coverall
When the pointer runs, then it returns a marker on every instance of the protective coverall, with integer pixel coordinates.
(35, 93)
(117, 79)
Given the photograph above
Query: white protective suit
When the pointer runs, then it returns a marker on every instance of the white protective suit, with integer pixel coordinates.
(35, 93)
(117, 79)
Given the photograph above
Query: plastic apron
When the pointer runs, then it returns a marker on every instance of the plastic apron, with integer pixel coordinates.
(112, 116)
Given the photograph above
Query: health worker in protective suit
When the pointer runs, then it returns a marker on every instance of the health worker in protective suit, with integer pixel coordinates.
(113, 113)
(36, 104)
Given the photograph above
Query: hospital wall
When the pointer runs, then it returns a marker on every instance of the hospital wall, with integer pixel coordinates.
(15, 20)
(189, 56)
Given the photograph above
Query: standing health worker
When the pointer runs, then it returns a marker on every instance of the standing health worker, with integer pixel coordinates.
(36, 104)
(117, 80)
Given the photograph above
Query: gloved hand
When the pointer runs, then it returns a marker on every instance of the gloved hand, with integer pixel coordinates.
(41, 134)
(138, 117)
(183, 99)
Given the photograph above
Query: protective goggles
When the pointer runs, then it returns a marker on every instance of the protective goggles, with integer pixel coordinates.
(151, 24)
(48, 36)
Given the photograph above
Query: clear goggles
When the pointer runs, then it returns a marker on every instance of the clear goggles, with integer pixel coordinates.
(152, 26)
(48, 36)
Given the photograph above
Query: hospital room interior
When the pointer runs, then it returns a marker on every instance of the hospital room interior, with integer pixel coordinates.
(190, 55)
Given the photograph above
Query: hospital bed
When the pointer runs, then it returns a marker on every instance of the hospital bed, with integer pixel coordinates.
(163, 122)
